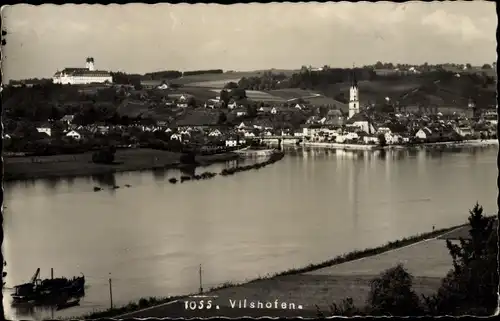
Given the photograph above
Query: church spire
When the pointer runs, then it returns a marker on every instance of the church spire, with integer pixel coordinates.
(354, 81)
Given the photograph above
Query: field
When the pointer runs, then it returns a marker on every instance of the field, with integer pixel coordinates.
(219, 80)
(198, 117)
(327, 101)
(132, 109)
(214, 79)
(219, 84)
(292, 93)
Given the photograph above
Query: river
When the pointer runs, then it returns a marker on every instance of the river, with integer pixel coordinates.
(311, 206)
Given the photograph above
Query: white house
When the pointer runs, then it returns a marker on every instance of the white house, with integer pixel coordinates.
(74, 134)
(249, 134)
(299, 106)
(370, 140)
(45, 130)
(176, 136)
(162, 86)
(464, 131)
(242, 125)
(352, 136)
(423, 133)
(268, 133)
(68, 119)
(231, 143)
(241, 112)
(310, 131)
(215, 133)
(384, 130)
(232, 105)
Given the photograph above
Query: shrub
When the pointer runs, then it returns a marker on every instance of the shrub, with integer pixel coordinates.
(188, 158)
(392, 294)
(104, 156)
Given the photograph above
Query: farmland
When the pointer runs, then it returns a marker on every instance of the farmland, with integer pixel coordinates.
(219, 80)
(219, 84)
(204, 80)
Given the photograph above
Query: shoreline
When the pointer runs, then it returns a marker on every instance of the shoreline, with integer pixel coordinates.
(466, 143)
(151, 303)
(79, 165)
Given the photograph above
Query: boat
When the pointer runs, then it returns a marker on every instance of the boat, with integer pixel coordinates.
(47, 290)
(68, 304)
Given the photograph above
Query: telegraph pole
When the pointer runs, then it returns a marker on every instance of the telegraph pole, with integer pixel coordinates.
(201, 287)
(110, 293)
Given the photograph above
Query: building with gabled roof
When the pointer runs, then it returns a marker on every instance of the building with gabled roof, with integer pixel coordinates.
(82, 76)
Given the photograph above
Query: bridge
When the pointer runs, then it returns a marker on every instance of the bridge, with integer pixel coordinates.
(278, 137)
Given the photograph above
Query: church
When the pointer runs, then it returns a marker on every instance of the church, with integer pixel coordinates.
(356, 118)
(82, 76)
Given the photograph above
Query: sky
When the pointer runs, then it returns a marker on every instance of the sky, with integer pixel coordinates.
(140, 38)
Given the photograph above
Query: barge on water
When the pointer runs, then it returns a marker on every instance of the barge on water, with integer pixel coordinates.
(40, 291)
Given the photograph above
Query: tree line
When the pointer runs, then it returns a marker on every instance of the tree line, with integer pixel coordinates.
(174, 74)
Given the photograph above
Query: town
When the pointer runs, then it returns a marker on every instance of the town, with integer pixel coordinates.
(325, 159)
(379, 105)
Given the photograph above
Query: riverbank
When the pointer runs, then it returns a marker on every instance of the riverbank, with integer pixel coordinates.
(24, 168)
(293, 278)
(466, 143)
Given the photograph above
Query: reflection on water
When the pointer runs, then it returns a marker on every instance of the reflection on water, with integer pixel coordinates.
(104, 180)
(310, 206)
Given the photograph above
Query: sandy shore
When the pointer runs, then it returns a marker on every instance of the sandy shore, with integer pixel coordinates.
(22, 168)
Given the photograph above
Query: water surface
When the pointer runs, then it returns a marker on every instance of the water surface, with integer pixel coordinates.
(309, 207)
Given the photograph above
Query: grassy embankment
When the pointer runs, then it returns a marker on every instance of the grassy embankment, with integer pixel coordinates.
(150, 302)
(21, 168)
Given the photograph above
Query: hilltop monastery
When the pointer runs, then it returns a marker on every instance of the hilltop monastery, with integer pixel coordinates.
(82, 76)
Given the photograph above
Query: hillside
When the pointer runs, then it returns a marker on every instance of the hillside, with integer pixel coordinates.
(454, 91)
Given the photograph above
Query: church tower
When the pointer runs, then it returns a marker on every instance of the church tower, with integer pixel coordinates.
(353, 95)
(472, 109)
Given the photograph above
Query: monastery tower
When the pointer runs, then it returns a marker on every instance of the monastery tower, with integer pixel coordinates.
(90, 64)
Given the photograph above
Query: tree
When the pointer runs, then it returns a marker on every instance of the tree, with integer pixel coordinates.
(471, 286)
(222, 118)
(379, 65)
(188, 158)
(486, 66)
(238, 93)
(191, 101)
(468, 66)
(391, 294)
(231, 85)
(381, 140)
(251, 110)
(104, 156)
(225, 97)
